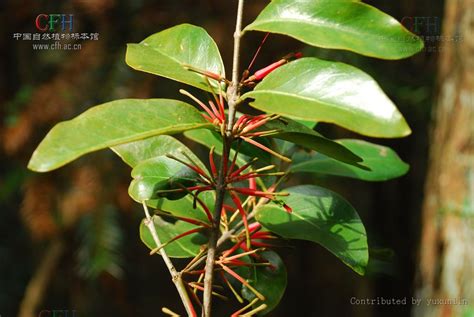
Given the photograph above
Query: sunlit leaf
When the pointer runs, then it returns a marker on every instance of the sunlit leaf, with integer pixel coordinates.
(322, 91)
(167, 52)
(185, 247)
(339, 24)
(110, 124)
(157, 176)
(321, 216)
(135, 152)
(381, 162)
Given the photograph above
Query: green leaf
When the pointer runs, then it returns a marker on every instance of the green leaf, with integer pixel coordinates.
(382, 162)
(183, 207)
(110, 124)
(269, 281)
(138, 151)
(288, 130)
(292, 131)
(185, 247)
(321, 216)
(347, 25)
(322, 91)
(167, 52)
(159, 174)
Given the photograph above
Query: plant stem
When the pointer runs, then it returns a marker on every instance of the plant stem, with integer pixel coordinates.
(175, 275)
(233, 94)
(214, 236)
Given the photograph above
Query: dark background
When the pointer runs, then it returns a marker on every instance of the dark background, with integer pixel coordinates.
(104, 269)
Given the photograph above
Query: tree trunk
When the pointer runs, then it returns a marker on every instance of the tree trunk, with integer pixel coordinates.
(445, 277)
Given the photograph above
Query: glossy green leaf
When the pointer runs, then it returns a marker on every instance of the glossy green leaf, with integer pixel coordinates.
(135, 152)
(110, 124)
(292, 131)
(159, 174)
(321, 216)
(184, 207)
(288, 130)
(167, 52)
(185, 247)
(347, 25)
(269, 281)
(382, 162)
(323, 91)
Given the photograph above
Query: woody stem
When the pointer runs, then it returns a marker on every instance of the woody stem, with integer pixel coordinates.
(175, 275)
(233, 94)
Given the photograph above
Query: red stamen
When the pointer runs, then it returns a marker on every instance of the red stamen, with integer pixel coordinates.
(261, 244)
(258, 51)
(239, 120)
(243, 214)
(253, 183)
(287, 208)
(179, 236)
(199, 102)
(212, 163)
(192, 221)
(228, 207)
(206, 210)
(262, 235)
(231, 250)
(242, 168)
(255, 125)
(204, 72)
(251, 192)
(256, 118)
(236, 294)
(221, 102)
(199, 188)
(254, 227)
(266, 149)
(207, 117)
(262, 73)
(195, 168)
(216, 113)
(244, 282)
(244, 121)
(232, 165)
(261, 133)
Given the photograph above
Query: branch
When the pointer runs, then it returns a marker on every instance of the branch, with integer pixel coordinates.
(175, 275)
(233, 94)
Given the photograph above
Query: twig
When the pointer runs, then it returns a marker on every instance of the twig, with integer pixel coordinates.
(233, 92)
(175, 275)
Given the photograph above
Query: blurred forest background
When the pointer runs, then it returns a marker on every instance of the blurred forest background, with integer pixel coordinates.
(69, 239)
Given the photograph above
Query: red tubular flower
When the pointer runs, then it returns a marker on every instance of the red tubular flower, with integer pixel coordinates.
(179, 236)
(262, 73)
(212, 163)
(243, 214)
(287, 208)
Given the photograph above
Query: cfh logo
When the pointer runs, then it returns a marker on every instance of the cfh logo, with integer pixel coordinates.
(422, 25)
(57, 313)
(50, 22)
